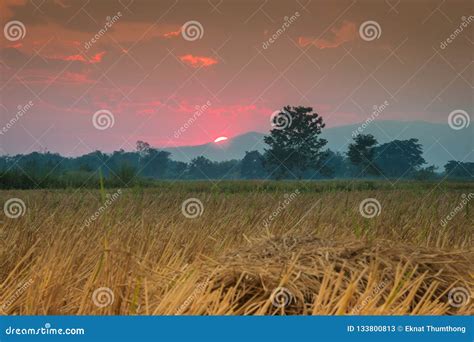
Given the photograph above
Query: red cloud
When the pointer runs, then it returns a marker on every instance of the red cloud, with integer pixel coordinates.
(97, 58)
(172, 34)
(79, 58)
(346, 33)
(15, 46)
(198, 61)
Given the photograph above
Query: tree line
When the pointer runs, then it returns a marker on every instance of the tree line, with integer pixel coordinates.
(294, 150)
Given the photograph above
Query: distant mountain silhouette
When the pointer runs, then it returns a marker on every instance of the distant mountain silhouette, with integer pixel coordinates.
(440, 142)
(234, 148)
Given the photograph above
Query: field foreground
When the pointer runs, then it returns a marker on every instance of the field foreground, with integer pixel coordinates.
(292, 249)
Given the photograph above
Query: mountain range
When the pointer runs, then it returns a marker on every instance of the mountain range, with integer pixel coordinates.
(440, 142)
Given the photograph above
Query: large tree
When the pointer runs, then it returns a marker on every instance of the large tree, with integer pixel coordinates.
(251, 166)
(294, 142)
(457, 169)
(153, 163)
(335, 164)
(202, 168)
(399, 158)
(362, 153)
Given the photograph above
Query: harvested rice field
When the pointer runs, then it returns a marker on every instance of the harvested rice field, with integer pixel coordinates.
(239, 248)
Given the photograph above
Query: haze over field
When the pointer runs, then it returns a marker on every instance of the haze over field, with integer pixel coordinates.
(440, 142)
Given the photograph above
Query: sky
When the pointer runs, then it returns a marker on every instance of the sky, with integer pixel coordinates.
(77, 76)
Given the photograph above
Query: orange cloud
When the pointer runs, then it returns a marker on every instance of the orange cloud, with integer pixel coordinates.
(172, 34)
(346, 33)
(97, 58)
(78, 58)
(15, 46)
(198, 61)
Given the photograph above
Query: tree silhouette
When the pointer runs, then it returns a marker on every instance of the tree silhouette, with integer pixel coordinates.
(153, 163)
(202, 168)
(457, 169)
(399, 158)
(251, 166)
(294, 142)
(362, 152)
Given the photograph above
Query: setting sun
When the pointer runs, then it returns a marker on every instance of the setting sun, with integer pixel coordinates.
(220, 139)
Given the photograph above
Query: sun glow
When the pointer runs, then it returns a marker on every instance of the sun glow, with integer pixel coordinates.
(220, 139)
